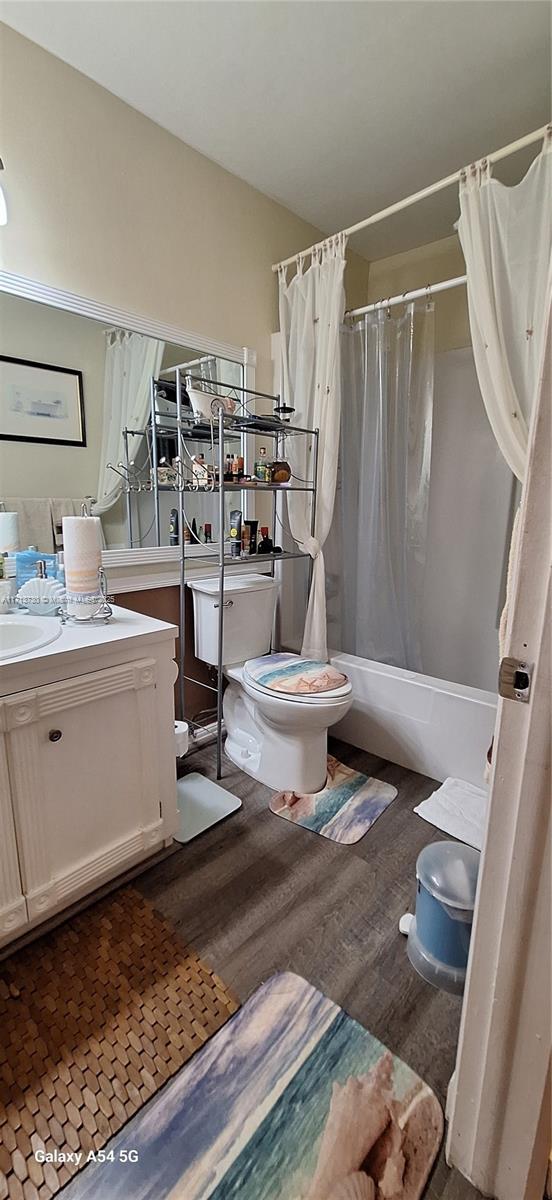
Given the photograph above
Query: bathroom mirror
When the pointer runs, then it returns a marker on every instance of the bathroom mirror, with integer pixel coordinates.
(75, 394)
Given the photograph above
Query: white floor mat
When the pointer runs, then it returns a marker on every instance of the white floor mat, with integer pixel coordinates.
(201, 803)
(458, 808)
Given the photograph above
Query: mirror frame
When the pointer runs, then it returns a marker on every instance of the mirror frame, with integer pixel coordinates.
(164, 558)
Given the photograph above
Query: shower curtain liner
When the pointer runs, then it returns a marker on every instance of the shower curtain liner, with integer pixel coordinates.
(378, 541)
(312, 307)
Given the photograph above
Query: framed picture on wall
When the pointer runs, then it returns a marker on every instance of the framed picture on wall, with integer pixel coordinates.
(41, 403)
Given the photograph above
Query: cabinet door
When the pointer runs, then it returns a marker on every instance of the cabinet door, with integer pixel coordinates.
(82, 759)
(13, 909)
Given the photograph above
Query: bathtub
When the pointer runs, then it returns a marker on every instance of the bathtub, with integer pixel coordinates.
(429, 725)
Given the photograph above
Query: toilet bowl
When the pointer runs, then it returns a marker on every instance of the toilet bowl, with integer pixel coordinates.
(277, 707)
(280, 737)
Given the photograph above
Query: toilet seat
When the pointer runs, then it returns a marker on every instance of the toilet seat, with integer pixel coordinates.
(285, 670)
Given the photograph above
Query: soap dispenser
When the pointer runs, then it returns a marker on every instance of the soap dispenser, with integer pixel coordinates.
(40, 595)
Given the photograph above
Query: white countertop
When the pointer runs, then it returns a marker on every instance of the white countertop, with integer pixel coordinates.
(78, 642)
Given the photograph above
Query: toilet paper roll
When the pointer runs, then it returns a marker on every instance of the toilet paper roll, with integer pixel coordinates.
(181, 738)
(9, 532)
(82, 555)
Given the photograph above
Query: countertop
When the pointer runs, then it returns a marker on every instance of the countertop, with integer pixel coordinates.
(63, 658)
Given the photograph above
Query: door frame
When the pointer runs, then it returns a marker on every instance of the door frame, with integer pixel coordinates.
(499, 1099)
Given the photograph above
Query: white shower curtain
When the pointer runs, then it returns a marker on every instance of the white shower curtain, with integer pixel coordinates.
(312, 306)
(130, 362)
(506, 236)
(388, 366)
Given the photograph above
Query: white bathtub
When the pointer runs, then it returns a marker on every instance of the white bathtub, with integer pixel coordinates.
(430, 725)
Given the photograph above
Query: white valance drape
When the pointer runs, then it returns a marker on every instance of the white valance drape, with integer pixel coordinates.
(506, 236)
(312, 307)
(130, 362)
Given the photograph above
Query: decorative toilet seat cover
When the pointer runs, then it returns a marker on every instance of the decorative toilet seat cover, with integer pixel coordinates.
(294, 675)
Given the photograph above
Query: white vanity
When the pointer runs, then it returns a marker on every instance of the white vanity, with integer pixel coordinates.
(87, 761)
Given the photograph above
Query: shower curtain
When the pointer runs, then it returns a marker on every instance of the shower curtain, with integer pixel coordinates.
(312, 306)
(506, 236)
(130, 361)
(381, 525)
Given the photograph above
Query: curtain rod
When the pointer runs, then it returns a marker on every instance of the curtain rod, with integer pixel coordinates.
(496, 156)
(428, 291)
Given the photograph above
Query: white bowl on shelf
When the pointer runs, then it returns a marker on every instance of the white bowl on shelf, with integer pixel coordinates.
(207, 405)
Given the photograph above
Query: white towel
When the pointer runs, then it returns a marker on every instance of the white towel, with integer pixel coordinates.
(458, 808)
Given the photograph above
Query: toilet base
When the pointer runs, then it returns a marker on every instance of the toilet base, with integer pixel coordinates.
(281, 759)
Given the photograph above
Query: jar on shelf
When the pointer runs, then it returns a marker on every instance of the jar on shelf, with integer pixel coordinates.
(280, 472)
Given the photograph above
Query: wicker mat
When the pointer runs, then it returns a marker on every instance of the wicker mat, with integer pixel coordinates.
(94, 1018)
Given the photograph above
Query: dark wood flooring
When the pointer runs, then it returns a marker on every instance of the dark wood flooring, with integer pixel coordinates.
(257, 894)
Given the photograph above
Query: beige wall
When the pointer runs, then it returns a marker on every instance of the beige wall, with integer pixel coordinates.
(106, 203)
(49, 335)
(428, 264)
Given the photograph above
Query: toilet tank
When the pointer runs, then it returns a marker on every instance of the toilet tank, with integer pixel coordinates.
(250, 604)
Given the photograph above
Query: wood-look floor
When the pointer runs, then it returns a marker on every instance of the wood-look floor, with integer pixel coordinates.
(255, 895)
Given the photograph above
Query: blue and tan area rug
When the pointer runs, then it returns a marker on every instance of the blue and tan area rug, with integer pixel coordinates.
(344, 810)
(291, 1100)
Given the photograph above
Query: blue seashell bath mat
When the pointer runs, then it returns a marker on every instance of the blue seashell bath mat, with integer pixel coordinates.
(291, 1100)
(344, 810)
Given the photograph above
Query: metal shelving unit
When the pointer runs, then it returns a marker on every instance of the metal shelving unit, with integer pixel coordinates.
(215, 433)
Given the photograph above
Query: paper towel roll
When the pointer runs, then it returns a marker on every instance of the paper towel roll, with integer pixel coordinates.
(82, 556)
(9, 532)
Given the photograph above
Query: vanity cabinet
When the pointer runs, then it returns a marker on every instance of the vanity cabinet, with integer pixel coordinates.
(88, 783)
(13, 906)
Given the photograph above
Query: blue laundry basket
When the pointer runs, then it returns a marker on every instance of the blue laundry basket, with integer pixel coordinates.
(439, 935)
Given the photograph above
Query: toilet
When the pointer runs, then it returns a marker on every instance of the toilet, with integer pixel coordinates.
(277, 707)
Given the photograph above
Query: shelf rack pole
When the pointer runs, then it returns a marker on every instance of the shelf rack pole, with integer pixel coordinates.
(182, 595)
(220, 592)
(314, 499)
(128, 498)
(154, 464)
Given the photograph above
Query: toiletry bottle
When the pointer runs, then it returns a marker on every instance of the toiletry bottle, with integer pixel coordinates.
(251, 527)
(7, 584)
(193, 532)
(235, 469)
(60, 573)
(173, 527)
(199, 471)
(265, 545)
(262, 466)
(240, 466)
(235, 533)
(228, 469)
(208, 532)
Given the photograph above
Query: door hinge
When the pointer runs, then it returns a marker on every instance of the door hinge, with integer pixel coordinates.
(514, 680)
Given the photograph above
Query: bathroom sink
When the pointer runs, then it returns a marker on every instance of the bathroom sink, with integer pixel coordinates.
(22, 635)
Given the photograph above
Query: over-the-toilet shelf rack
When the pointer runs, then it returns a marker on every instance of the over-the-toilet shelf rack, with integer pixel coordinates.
(242, 426)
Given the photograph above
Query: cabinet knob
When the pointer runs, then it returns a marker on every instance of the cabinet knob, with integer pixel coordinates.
(55, 735)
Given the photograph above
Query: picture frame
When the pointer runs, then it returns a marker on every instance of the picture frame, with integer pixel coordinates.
(41, 403)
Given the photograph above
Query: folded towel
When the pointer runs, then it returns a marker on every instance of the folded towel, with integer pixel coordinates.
(458, 808)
